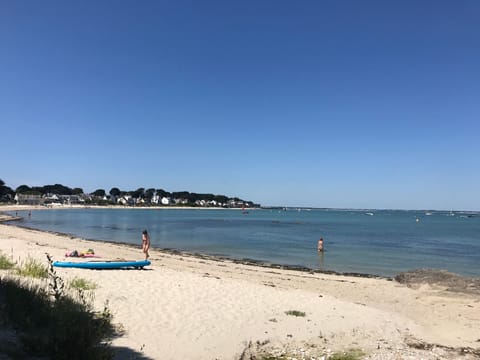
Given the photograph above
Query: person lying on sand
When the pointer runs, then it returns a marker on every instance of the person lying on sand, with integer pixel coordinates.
(75, 253)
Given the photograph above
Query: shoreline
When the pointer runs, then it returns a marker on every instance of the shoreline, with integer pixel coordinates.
(11, 207)
(176, 207)
(244, 261)
(4, 218)
(429, 275)
(218, 306)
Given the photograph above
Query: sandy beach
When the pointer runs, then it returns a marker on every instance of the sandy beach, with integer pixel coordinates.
(187, 307)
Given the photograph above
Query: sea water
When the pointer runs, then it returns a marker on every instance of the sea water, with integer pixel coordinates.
(379, 242)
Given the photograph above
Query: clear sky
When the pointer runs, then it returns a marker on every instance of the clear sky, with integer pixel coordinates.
(358, 104)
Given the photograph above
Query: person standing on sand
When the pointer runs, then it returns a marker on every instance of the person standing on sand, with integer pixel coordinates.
(320, 245)
(145, 243)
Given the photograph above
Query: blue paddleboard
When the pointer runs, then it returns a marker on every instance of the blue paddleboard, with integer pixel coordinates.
(114, 264)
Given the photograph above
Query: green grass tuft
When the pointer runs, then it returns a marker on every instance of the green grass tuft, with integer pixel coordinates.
(33, 268)
(352, 354)
(5, 263)
(295, 313)
(82, 284)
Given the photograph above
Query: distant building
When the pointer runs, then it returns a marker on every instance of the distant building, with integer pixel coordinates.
(71, 199)
(155, 199)
(180, 201)
(200, 202)
(126, 200)
(28, 199)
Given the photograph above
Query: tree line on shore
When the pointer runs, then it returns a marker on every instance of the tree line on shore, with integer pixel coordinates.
(100, 196)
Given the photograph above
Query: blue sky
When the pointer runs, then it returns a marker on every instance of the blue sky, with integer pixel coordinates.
(358, 104)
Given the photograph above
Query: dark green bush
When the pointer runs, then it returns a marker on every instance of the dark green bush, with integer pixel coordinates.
(53, 324)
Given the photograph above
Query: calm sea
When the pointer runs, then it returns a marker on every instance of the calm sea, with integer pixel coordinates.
(380, 242)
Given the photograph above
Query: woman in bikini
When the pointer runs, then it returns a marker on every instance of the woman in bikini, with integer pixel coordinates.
(145, 243)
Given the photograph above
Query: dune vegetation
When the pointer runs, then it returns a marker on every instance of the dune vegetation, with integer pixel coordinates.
(47, 319)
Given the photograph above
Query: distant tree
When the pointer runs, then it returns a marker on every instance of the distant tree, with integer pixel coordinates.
(180, 194)
(77, 191)
(6, 193)
(3, 188)
(163, 193)
(193, 197)
(139, 193)
(221, 199)
(56, 189)
(22, 189)
(99, 193)
(208, 197)
(9, 191)
(115, 192)
(149, 194)
(37, 190)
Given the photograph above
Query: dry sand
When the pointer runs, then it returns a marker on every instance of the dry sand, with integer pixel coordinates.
(186, 307)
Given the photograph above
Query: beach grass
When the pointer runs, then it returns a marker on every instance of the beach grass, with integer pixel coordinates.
(33, 268)
(296, 313)
(351, 354)
(5, 263)
(50, 322)
(82, 284)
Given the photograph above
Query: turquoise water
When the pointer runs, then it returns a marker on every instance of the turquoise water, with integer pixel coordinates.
(385, 243)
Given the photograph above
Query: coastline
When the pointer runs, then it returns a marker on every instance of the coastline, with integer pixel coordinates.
(213, 258)
(10, 207)
(347, 239)
(245, 261)
(217, 306)
(429, 275)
